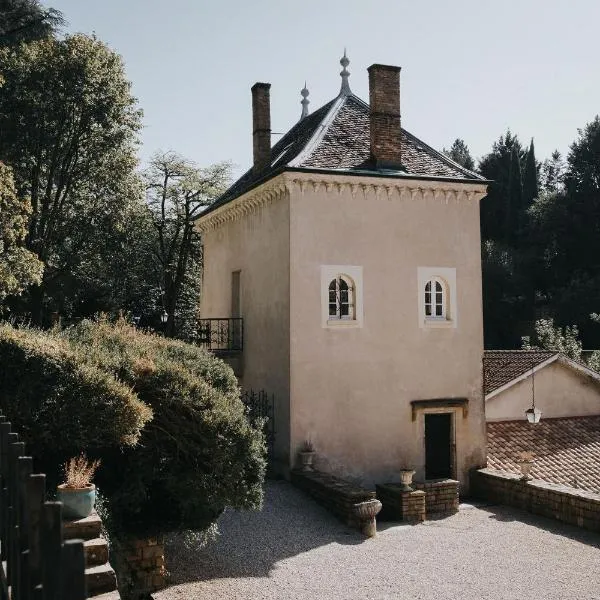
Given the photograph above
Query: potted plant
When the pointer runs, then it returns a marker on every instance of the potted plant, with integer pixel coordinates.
(78, 493)
(525, 463)
(307, 454)
(406, 476)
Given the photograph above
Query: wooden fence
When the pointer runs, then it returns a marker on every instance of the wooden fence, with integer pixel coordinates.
(36, 563)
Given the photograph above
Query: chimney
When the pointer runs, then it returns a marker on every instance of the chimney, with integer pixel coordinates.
(384, 97)
(261, 126)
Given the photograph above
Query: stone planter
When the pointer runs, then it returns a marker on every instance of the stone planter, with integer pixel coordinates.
(77, 503)
(306, 459)
(525, 466)
(365, 513)
(406, 476)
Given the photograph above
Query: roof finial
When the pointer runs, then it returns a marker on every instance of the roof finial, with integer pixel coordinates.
(344, 61)
(305, 101)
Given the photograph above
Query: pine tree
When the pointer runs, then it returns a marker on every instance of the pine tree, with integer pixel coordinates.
(459, 152)
(530, 178)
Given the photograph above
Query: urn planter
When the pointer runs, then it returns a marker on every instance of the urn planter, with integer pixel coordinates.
(365, 513)
(78, 503)
(525, 466)
(306, 460)
(406, 476)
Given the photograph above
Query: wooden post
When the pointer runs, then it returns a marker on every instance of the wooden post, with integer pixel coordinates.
(51, 549)
(24, 470)
(36, 489)
(4, 432)
(72, 566)
(15, 450)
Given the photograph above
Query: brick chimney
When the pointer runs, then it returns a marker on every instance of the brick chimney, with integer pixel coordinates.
(261, 126)
(384, 97)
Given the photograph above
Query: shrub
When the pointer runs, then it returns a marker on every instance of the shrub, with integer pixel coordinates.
(60, 403)
(198, 455)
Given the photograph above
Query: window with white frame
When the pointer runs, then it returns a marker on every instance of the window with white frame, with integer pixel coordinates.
(341, 296)
(437, 297)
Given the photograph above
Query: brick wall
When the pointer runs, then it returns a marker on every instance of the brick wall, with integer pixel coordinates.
(559, 502)
(399, 505)
(261, 126)
(441, 496)
(333, 493)
(143, 565)
(384, 99)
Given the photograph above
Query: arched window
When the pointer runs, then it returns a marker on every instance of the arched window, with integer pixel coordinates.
(435, 299)
(341, 298)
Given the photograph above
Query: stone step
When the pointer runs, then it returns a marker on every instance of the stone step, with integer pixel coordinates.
(83, 529)
(96, 552)
(108, 596)
(100, 580)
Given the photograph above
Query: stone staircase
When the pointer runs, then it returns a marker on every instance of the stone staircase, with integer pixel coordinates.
(100, 577)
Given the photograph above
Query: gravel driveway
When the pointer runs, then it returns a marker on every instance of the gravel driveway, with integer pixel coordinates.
(294, 549)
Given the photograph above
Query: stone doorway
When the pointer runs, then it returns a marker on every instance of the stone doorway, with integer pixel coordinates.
(439, 446)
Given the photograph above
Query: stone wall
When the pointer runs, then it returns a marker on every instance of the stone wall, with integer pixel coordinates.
(441, 496)
(399, 505)
(143, 565)
(334, 494)
(559, 502)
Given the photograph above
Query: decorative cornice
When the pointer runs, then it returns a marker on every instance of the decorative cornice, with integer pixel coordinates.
(380, 189)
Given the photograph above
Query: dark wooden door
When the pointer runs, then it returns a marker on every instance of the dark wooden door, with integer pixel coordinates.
(438, 446)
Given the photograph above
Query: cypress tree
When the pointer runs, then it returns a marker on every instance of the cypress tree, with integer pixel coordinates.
(530, 178)
(514, 208)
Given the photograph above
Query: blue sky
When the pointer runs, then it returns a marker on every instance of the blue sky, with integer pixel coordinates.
(470, 68)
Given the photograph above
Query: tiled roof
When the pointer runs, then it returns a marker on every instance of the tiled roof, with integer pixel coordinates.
(502, 366)
(567, 450)
(337, 137)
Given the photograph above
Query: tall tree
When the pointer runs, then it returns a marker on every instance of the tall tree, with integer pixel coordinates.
(553, 173)
(514, 203)
(177, 192)
(459, 152)
(530, 178)
(27, 20)
(18, 266)
(68, 126)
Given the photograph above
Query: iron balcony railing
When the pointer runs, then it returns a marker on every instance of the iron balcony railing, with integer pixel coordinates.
(221, 336)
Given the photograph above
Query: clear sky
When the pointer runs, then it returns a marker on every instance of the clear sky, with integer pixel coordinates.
(470, 68)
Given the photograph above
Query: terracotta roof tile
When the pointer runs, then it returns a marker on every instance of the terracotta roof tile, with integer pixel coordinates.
(567, 450)
(502, 366)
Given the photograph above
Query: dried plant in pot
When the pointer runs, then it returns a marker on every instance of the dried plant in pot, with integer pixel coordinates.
(78, 493)
(525, 461)
(307, 455)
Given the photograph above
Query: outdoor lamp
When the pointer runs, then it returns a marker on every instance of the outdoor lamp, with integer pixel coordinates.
(533, 414)
(136, 319)
(164, 317)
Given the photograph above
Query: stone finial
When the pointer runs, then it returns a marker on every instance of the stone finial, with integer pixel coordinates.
(305, 101)
(345, 89)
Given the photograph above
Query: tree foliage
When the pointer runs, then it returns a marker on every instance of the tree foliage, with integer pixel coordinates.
(548, 336)
(459, 152)
(27, 20)
(68, 126)
(18, 266)
(177, 191)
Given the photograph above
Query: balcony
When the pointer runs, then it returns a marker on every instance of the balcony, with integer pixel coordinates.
(222, 337)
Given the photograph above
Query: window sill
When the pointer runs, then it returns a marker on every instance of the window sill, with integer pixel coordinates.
(342, 323)
(438, 323)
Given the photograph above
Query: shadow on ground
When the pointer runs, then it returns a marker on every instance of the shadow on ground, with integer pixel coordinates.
(289, 524)
(508, 514)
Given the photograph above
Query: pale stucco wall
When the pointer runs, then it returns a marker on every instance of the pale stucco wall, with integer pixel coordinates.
(258, 246)
(351, 388)
(559, 392)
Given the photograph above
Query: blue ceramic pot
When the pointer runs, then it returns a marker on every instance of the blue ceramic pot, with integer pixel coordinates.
(77, 504)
